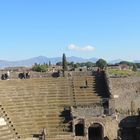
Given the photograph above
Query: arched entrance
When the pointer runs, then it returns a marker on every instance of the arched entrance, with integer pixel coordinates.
(95, 132)
(79, 129)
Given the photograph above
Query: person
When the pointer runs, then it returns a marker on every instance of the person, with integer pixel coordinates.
(27, 75)
(21, 75)
(43, 134)
(24, 75)
(8, 74)
(2, 77)
(86, 84)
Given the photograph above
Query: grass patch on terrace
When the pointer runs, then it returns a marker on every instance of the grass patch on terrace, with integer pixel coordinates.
(115, 72)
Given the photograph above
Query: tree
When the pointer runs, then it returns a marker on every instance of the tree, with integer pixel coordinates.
(101, 63)
(134, 67)
(64, 62)
(127, 63)
(138, 65)
(50, 63)
(59, 63)
(76, 65)
(89, 64)
(70, 65)
(40, 67)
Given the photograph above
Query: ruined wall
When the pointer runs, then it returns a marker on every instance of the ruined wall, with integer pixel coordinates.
(111, 127)
(128, 90)
(109, 123)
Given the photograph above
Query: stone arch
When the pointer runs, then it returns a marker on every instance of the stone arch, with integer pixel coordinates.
(90, 123)
(96, 131)
(79, 127)
(128, 128)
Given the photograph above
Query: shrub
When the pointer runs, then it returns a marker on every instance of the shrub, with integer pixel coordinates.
(40, 67)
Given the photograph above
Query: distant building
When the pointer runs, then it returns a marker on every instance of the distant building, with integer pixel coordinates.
(115, 66)
(54, 68)
(125, 67)
(120, 67)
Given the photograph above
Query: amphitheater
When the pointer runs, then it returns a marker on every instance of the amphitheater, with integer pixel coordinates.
(80, 107)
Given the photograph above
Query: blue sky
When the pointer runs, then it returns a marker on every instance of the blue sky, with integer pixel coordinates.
(108, 29)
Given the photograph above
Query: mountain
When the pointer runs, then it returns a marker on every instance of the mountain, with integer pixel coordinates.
(136, 61)
(27, 62)
(80, 59)
(115, 61)
(53, 60)
(41, 60)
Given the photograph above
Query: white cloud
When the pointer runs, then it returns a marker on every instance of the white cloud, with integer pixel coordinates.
(87, 48)
(73, 47)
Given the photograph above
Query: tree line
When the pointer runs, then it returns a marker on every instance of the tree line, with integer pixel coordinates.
(101, 63)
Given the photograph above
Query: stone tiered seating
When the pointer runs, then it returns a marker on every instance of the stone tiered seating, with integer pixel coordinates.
(35, 104)
(5, 131)
(32, 105)
(84, 90)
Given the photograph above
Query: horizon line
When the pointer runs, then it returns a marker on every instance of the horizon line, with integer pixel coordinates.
(69, 57)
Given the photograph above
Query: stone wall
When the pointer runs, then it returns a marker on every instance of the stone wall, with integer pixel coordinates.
(127, 90)
(87, 111)
(109, 124)
(33, 74)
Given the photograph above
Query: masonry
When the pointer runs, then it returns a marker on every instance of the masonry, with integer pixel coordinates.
(67, 108)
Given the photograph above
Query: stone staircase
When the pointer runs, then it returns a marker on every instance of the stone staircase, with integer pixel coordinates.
(35, 104)
(84, 92)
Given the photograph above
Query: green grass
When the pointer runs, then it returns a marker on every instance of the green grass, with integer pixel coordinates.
(116, 72)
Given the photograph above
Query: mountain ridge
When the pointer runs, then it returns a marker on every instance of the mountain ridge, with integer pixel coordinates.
(40, 60)
(43, 59)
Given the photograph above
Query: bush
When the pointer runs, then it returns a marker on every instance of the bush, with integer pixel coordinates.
(40, 67)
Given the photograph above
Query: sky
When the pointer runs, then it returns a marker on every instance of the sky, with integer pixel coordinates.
(108, 29)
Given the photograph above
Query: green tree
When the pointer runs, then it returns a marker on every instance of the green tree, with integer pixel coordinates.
(138, 65)
(71, 65)
(59, 63)
(134, 67)
(64, 62)
(50, 63)
(101, 63)
(127, 63)
(40, 67)
(76, 65)
(89, 64)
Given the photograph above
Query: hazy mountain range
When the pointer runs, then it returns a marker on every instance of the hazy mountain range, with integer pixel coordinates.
(41, 60)
(54, 60)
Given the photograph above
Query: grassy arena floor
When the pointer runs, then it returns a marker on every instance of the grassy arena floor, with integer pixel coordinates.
(115, 72)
